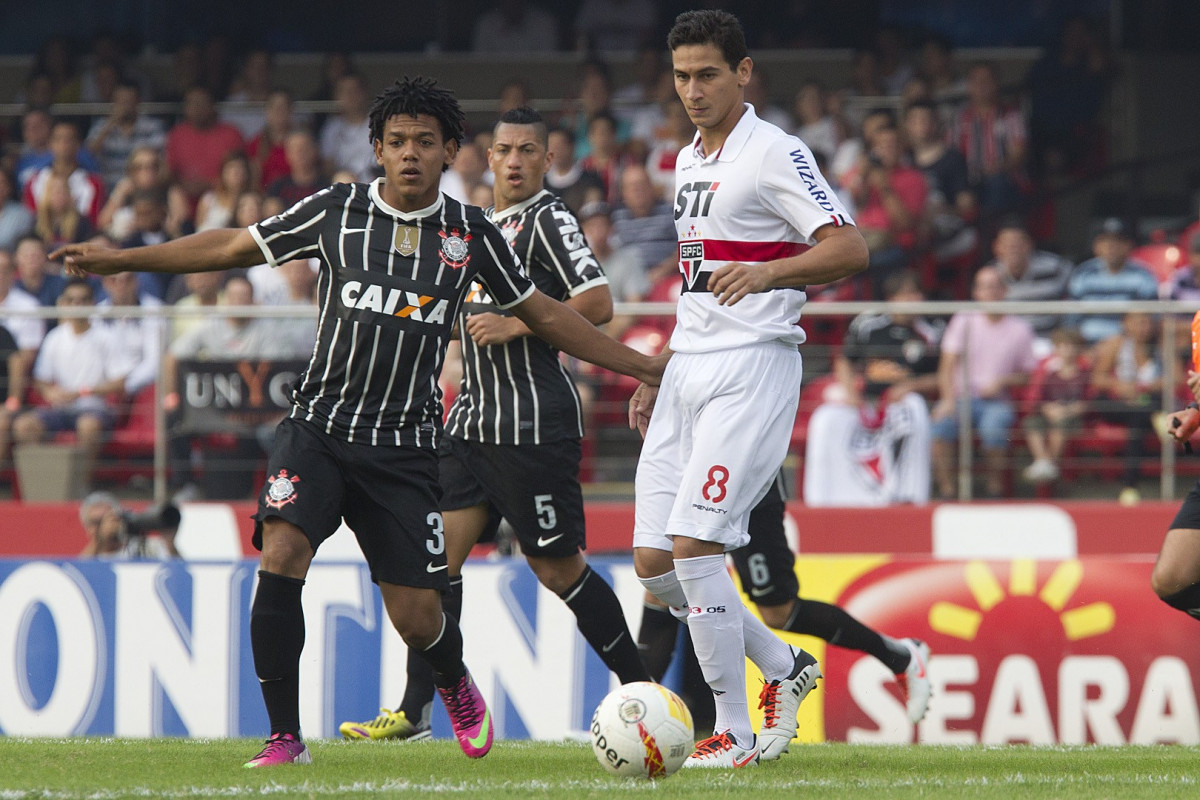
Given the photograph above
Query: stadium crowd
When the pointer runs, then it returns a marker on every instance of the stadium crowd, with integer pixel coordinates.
(945, 168)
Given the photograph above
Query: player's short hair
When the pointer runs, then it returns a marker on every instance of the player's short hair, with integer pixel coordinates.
(525, 115)
(414, 96)
(710, 26)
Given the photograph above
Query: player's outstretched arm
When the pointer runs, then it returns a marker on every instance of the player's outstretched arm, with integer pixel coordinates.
(566, 329)
(838, 253)
(207, 251)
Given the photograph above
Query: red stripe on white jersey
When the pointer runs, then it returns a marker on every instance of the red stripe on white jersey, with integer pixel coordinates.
(749, 252)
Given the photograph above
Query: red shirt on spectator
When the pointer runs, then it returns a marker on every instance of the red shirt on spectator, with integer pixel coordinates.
(195, 154)
(274, 161)
(87, 190)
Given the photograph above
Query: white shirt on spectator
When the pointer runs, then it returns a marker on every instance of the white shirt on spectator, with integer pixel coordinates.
(77, 361)
(138, 341)
(347, 146)
(28, 331)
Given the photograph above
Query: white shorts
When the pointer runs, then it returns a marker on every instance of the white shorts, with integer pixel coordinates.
(719, 432)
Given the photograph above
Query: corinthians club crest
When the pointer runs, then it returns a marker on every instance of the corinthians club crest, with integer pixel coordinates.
(407, 240)
(280, 489)
(454, 253)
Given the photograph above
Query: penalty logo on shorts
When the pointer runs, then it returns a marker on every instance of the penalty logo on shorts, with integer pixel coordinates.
(281, 489)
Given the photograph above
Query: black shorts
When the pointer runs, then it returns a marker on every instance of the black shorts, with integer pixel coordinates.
(389, 496)
(1188, 517)
(533, 486)
(767, 566)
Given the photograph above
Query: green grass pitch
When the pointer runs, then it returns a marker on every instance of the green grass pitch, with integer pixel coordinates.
(99, 769)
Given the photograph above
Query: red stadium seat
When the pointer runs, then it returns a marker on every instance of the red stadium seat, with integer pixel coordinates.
(1162, 258)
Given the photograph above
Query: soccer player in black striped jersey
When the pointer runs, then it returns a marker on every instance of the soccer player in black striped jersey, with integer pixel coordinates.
(512, 448)
(397, 259)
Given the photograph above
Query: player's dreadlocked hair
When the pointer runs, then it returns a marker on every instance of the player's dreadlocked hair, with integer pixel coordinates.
(525, 115)
(413, 96)
(710, 26)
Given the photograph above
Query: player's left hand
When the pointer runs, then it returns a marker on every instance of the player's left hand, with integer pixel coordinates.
(733, 281)
(487, 328)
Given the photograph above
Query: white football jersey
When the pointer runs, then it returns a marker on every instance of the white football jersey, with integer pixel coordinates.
(759, 198)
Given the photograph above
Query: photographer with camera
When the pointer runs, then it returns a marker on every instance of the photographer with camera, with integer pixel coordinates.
(115, 532)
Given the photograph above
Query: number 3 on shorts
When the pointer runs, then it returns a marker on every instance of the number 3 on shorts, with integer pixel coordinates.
(437, 540)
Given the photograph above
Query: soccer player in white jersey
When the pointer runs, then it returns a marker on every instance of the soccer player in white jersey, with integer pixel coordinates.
(756, 222)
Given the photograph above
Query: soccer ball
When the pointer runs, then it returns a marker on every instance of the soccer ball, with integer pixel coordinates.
(642, 730)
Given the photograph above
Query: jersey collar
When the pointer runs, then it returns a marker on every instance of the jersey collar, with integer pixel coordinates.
(736, 139)
(513, 211)
(377, 198)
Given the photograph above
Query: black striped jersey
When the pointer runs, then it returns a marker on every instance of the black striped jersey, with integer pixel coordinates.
(390, 286)
(520, 392)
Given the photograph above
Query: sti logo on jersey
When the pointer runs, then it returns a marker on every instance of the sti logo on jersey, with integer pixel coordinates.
(397, 302)
(408, 239)
(691, 255)
(701, 194)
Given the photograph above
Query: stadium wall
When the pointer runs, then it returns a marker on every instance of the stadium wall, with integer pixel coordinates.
(1032, 643)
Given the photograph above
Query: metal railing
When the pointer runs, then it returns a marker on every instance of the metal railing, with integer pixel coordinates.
(1171, 362)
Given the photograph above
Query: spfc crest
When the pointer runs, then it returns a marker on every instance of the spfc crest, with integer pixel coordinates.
(408, 239)
(691, 256)
(455, 253)
(281, 489)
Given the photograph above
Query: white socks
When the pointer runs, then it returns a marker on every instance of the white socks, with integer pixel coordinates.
(769, 653)
(666, 588)
(715, 623)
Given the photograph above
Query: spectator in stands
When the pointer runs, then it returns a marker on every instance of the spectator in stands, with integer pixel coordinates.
(1127, 382)
(1184, 283)
(594, 97)
(678, 131)
(112, 139)
(513, 94)
(343, 134)
(613, 25)
(58, 219)
(77, 370)
(186, 72)
(891, 199)
(217, 206)
(35, 144)
(1055, 403)
(265, 152)
(1029, 273)
(87, 188)
(758, 94)
(203, 291)
(644, 91)
(514, 26)
(149, 227)
(891, 354)
(57, 59)
(28, 331)
(645, 225)
(252, 85)
(626, 278)
(146, 170)
(1066, 88)
(466, 172)
(935, 63)
(101, 80)
(951, 207)
(817, 128)
(865, 89)
(998, 349)
(35, 274)
(566, 177)
(895, 65)
(197, 146)
(605, 157)
(12, 388)
(1109, 275)
(299, 333)
(304, 176)
(850, 152)
(16, 219)
(105, 524)
(138, 340)
(230, 335)
(993, 138)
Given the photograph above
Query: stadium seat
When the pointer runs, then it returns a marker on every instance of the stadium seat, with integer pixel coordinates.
(1161, 258)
